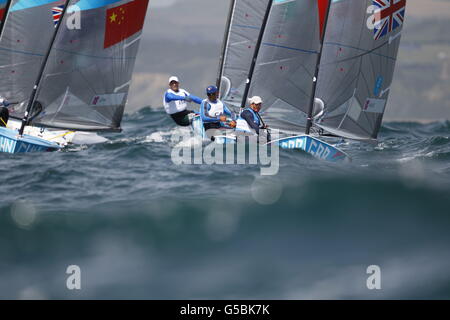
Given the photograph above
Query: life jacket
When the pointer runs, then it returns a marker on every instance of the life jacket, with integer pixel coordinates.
(176, 106)
(216, 109)
(242, 125)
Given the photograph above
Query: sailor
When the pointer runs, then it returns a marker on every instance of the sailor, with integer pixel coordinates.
(214, 112)
(4, 112)
(176, 101)
(250, 120)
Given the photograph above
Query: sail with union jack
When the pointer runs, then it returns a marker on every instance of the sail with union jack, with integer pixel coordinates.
(357, 66)
(389, 16)
(57, 12)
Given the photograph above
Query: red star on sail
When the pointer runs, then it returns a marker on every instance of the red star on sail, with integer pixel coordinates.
(124, 21)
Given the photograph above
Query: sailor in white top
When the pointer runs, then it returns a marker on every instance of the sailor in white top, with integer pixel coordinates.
(214, 112)
(176, 101)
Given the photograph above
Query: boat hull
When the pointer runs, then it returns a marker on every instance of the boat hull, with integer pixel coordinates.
(313, 146)
(199, 131)
(10, 142)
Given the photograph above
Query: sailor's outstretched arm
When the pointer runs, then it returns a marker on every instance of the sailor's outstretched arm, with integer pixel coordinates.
(173, 97)
(195, 99)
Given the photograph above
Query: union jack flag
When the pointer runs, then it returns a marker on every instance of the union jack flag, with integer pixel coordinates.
(388, 17)
(57, 12)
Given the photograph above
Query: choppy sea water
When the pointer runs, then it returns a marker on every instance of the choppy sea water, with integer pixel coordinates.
(139, 226)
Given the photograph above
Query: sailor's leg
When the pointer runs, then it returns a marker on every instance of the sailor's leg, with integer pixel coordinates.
(212, 130)
(4, 116)
(182, 118)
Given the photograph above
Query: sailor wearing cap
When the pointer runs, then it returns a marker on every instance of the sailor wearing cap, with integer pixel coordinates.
(250, 120)
(214, 112)
(176, 102)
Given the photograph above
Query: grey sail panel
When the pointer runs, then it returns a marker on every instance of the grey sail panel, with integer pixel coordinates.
(286, 63)
(25, 39)
(358, 61)
(245, 26)
(86, 80)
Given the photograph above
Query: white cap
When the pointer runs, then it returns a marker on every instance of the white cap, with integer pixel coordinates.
(256, 100)
(173, 78)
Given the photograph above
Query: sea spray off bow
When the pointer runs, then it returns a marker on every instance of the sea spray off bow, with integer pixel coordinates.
(189, 150)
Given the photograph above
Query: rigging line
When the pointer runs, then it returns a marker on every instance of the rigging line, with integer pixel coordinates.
(289, 48)
(87, 81)
(246, 27)
(365, 113)
(22, 52)
(122, 86)
(92, 56)
(307, 71)
(239, 43)
(354, 95)
(62, 135)
(366, 52)
(297, 87)
(348, 86)
(285, 101)
(350, 105)
(373, 67)
(274, 61)
(362, 129)
(356, 87)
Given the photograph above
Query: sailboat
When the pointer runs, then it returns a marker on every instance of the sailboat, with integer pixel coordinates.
(323, 68)
(75, 77)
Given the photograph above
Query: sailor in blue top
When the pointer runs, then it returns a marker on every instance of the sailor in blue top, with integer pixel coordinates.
(214, 112)
(250, 120)
(4, 112)
(176, 101)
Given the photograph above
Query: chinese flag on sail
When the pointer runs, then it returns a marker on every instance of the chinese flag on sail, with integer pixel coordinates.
(124, 21)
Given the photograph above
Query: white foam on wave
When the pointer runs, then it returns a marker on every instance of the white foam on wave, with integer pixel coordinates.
(169, 135)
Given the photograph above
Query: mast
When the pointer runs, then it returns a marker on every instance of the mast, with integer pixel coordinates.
(255, 56)
(41, 71)
(316, 74)
(226, 39)
(8, 4)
